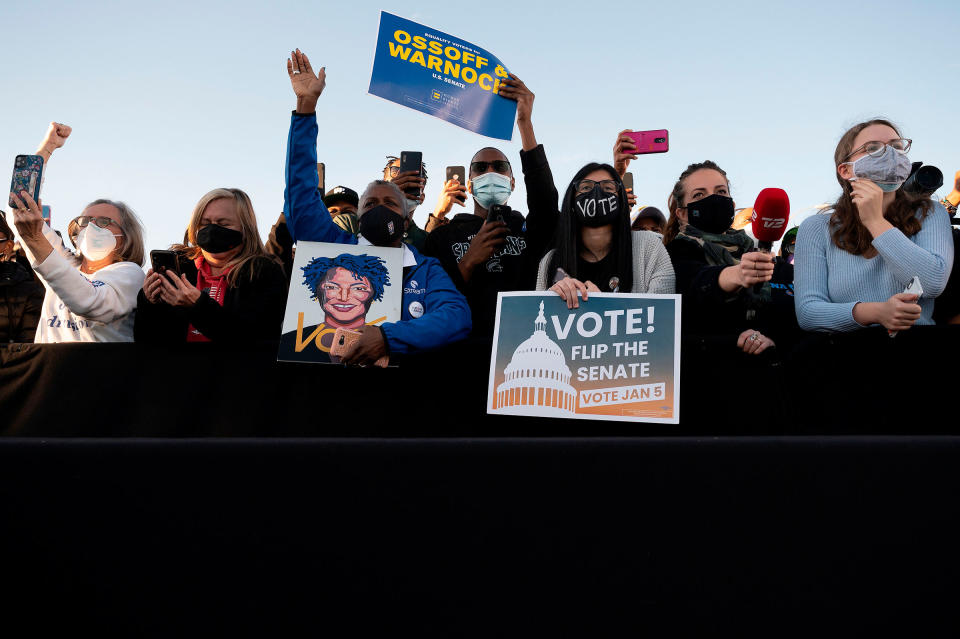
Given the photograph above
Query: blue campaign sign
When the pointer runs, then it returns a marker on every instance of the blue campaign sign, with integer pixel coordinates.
(440, 75)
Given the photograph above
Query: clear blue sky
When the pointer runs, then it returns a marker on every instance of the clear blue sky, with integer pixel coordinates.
(170, 100)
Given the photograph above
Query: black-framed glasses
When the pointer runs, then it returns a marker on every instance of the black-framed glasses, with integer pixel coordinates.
(875, 148)
(499, 166)
(101, 221)
(607, 186)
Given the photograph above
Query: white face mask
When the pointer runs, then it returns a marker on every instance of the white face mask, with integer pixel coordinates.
(95, 243)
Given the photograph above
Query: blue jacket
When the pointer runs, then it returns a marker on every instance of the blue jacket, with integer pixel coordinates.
(426, 286)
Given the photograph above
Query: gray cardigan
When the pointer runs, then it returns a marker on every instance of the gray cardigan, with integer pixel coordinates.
(652, 268)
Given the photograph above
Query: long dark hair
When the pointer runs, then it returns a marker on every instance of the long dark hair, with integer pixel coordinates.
(567, 238)
(846, 229)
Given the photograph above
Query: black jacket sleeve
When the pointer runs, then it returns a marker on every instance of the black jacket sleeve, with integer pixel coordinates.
(252, 309)
(542, 200)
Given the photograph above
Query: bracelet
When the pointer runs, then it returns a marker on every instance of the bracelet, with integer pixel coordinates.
(440, 220)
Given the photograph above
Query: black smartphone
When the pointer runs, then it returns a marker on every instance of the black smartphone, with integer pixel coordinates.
(457, 173)
(322, 175)
(628, 180)
(412, 161)
(162, 261)
(27, 175)
(498, 213)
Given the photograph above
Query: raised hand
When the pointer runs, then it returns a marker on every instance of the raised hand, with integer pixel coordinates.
(306, 84)
(513, 88)
(624, 150)
(409, 179)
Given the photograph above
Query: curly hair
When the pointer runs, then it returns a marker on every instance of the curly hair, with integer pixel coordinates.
(360, 266)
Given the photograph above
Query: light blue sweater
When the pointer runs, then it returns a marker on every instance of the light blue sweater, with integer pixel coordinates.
(829, 282)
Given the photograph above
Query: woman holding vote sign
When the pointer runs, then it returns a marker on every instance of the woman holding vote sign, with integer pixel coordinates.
(854, 263)
(595, 250)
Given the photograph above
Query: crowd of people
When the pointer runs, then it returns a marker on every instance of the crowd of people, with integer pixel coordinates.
(844, 269)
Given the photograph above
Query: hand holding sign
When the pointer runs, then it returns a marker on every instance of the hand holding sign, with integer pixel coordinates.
(368, 349)
(513, 88)
(568, 287)
(307, 85)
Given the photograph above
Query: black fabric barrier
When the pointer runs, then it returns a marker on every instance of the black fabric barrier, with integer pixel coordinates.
(826, 536)
(861, 383)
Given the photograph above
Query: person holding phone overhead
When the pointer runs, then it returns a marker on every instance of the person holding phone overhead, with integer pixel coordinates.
(433, 312)
(484, 252)
(854, 262)
(409, 181)
(595, 250)
(224, 287)
(91, 297)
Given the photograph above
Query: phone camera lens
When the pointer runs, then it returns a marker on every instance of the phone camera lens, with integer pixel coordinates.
(660, 140)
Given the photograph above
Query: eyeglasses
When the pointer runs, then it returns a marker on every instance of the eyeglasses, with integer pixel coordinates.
(394, 171)
(875, 148)
(499, 166)
(102, 222)
(607, 186)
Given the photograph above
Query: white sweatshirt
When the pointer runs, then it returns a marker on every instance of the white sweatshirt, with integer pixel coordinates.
(85, 308)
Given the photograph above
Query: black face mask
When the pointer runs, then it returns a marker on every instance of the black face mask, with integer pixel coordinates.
(712, 214)
(382, 226)
(597, 208)
(214, 238)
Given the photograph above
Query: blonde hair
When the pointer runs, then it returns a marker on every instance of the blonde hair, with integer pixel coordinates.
(251, 247)
(131, 250)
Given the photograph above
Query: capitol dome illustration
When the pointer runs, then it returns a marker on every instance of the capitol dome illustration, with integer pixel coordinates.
(537, 379)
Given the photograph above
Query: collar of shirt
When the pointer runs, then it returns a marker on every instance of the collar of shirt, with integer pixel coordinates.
(409, 259)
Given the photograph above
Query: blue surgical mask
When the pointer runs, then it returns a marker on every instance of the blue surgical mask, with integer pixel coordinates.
(491, 188)
(889, 171)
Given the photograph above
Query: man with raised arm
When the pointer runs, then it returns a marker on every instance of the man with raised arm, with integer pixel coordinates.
(434, 313)
(485, 256)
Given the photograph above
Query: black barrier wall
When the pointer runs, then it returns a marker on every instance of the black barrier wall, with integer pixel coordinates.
(860, 383)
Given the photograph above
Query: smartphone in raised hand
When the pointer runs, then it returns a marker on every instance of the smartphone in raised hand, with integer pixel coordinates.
(322, 175)
(457, 173)
(27, 175)
(655, 141)
(628, 180)
(412, 161)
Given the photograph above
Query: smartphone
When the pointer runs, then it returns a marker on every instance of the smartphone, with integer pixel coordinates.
(162, 261)
(497, 213)
(343, 341)
(46, 214)
(322, 175)
(412, 161)
(657, 141)
(459, 174)
(628, 180)
(27, 173)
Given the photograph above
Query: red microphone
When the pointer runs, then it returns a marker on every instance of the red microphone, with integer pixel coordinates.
(770, 215)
